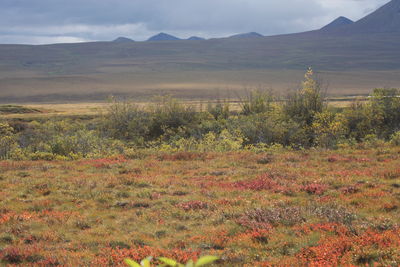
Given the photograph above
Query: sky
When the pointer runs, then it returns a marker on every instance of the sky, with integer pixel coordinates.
(66, 21)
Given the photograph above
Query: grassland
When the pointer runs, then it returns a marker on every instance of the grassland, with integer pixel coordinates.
(320, 208)
(192, 70)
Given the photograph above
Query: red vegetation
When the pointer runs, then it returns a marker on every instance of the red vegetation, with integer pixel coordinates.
(339, 158)
(263, 182)
(105, 162)
(183, 156)
(315, 189)
(339, 250)
(336, 228)
(193, 205)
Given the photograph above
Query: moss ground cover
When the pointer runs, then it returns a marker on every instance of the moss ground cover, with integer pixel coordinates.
(278, 208)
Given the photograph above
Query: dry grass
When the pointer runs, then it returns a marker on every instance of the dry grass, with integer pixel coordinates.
(184, 84)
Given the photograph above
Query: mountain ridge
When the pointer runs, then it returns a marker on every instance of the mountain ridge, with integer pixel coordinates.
(163, 37)
(339, 22)
(246, 35)
(385, 19)
(123, 40)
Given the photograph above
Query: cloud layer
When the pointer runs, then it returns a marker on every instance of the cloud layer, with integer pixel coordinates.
(53, 21)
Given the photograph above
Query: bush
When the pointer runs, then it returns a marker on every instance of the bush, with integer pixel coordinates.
(269, 128)
(257, 101)
(7, 141)
(302, 105)
(126, 121)
(261, 218)
(328, 128)
(395, 139)
(168, 116)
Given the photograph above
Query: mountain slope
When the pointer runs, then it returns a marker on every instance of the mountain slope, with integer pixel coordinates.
(163, 37)
(384, 20)
(195, 38)
(339, 22)
(246, 35)
(123, 40)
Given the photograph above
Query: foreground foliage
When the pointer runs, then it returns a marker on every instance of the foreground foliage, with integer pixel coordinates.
(203, 261)
(274, 208)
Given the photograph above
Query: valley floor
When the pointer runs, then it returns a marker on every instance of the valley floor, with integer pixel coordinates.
(318, 208)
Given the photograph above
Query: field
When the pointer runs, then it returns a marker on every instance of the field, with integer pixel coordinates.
(282, 207)
(193, 70)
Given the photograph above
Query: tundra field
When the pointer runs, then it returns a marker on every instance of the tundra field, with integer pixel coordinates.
(241, 150)
(294, 182)
(275, 208)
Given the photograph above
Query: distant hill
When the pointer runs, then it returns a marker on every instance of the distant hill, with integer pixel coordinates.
(195, 38)
(337, 23)
(123, 40)
(246, 35)
(384, 20)
(163, 37)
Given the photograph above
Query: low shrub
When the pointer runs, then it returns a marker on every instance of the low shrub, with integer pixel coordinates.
(265, 218)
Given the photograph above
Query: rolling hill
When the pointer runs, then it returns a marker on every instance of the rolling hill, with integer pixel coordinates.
(123, 40)
(163, 37)
(246, 35)
(352, 57)
(196, 38)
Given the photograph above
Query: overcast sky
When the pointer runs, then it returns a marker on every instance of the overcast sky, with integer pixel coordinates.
(55, 21)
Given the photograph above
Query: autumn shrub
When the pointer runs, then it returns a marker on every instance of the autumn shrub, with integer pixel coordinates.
(64, 139)
(329, 129)
(265, 218)
(269, 129)
(395, 139)
(332, 213)
(264, 182)
(193, 205)
(7, 141)
(315, 188)
(306, 102)
(182, 156)
(220, 110)
(302, 120)
(126, 121)
(169, 116)
(257, 101)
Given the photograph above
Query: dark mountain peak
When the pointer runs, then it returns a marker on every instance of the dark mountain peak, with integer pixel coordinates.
(246, 35)
(196, 38)
(384, 20)
(339, 22)
(163, 37)
(123, 40)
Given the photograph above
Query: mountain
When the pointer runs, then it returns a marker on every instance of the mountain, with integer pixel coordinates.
(384, 20)
(163, 37)
(357, 57)
(123, 40)
(337, 23)
(195, 38)
(246, 35)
